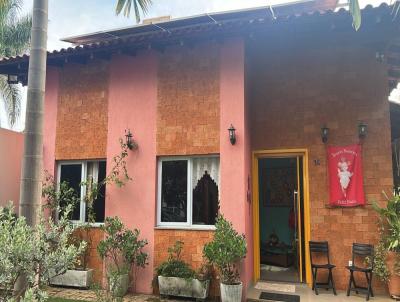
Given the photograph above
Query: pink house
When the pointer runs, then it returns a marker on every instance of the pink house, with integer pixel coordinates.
(11, 145)
(178, 86)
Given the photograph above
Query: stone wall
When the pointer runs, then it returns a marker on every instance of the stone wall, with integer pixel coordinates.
(188, 101)
(293, 94)
(82, 112)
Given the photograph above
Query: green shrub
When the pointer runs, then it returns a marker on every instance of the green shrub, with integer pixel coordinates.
(122, 248)
(389, 227)
(38, 253)
(175, 266)
(226, 250)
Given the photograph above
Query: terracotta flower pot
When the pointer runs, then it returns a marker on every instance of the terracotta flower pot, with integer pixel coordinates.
(394, 279)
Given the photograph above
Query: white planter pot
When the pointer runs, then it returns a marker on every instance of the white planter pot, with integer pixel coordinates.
(119, 285)
(192, 288)
(231, 293)
(74, 278)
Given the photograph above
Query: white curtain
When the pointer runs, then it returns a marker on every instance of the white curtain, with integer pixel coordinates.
(203, 164)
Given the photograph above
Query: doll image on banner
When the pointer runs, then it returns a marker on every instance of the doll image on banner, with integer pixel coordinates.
(345, 176)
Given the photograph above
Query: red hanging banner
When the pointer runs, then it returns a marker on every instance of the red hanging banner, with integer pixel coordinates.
(345, 176)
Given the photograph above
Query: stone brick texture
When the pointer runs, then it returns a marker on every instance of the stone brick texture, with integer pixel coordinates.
(294, 93)
(92, 236)
(188, 101)
(82, 111)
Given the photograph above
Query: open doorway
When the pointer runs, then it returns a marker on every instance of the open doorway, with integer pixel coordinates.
(281, 219)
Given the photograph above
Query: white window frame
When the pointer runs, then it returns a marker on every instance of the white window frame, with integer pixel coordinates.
(84, 165)
(189, 196)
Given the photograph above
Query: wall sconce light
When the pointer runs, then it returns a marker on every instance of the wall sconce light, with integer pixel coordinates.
(12, 79)
(324, 134)
(362, 130)
(129, 140)
(232, 134)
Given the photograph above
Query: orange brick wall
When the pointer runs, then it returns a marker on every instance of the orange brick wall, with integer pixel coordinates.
(82, 112)
(293, 94)
(95, 235)
(194, 241)
(188, 101)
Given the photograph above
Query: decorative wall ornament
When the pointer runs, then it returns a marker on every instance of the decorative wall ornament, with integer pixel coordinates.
(345, 176)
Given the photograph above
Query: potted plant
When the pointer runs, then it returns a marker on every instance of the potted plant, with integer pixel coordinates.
(60, 197)
(226, 251)
(123, 251)
(80, 275)
(177, 278)
(56, 201)
(387, 253)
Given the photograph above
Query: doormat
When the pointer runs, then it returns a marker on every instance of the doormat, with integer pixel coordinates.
(279, 297)
(276, 287)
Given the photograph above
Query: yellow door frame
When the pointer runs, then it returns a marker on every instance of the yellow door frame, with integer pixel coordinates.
(256, 211)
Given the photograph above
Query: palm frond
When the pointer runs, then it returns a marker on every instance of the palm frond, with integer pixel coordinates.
(11, 95)
(16, 36)
(14, 39)
(355, 12)
(125, 6)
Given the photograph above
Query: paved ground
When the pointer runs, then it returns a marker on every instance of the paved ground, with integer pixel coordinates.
(89, 295)
(306, 295)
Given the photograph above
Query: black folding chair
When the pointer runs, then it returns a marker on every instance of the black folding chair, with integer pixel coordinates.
(361, 252)
(321, 249)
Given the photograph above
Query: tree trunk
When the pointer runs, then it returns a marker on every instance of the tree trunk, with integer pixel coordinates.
(31, 179)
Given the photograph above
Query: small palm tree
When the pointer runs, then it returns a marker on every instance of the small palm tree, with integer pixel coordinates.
(126, 6)
(14, 40)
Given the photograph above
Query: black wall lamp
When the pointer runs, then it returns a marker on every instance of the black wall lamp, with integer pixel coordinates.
(362, 130)
(130, 143)
(232, 134)
(324, 134)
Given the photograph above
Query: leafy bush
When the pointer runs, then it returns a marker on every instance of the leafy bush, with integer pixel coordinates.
(121, 249)
(389, 226)
(226, 250)
(175, 266)
(38, 253)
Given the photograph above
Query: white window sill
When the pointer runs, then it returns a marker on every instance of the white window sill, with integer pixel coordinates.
(78, 224)
(186, 228)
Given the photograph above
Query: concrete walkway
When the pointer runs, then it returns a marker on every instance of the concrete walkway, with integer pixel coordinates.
(89, 295)
(305, 293)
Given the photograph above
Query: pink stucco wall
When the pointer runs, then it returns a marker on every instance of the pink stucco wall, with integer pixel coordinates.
(132, 104)
(50, 119)
(235, 160)
(11, 148)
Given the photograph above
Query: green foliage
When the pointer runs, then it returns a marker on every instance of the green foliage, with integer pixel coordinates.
(390, 222)
(380, 267)
(63, 195)
(122, 247)
(354, 8)
(126, 5)
(119, 172)
(389, 227)
(58, 198)
(14, 40)
(355, 12)
(38, 253)
(175, 266)
(58, 299)
(226, 250)
(105, 295)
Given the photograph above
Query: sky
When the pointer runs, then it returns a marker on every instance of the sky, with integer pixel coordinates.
(76, 17)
